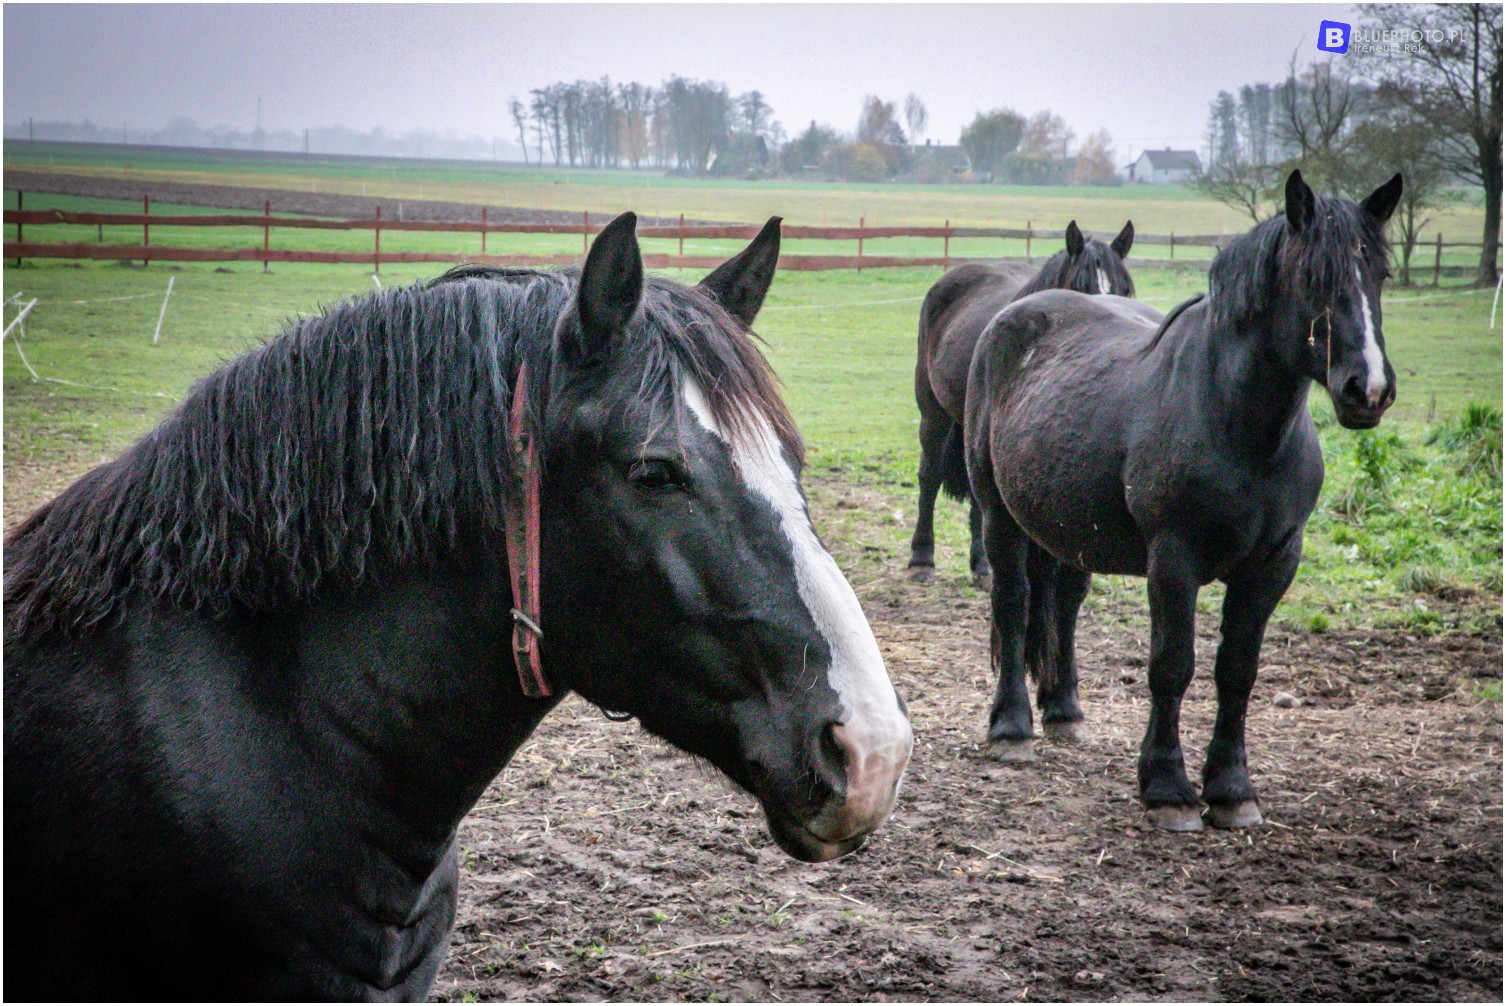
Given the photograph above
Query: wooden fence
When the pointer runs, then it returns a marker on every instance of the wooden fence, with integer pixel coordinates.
(22, 218)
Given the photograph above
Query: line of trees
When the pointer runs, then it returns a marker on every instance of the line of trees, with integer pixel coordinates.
(1431, 110)
(682, 124)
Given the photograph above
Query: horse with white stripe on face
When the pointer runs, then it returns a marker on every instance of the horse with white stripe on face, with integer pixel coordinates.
(1178, 448)
(260, 666)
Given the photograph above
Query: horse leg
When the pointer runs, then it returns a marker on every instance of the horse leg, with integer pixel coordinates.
(983, 577)
(1056, 694)
(1010, 735)
(934, 427)
(1247, 607)
(1170, 800)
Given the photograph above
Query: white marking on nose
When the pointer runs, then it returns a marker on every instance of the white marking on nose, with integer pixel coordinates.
(874, 732)
(1103, 281)
(1375, 360)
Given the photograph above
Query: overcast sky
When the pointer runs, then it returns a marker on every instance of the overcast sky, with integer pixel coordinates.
(1144, 72)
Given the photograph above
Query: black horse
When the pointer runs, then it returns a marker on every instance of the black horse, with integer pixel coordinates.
(259, 667)
(955, 312)
(1180, 449)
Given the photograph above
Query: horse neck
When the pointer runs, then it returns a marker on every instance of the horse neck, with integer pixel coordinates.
(1260, 398)
(411, 700)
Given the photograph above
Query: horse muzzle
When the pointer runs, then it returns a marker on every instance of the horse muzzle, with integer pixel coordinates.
(870, 762)
(1356, 409)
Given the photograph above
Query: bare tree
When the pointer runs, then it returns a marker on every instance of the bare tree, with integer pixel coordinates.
(1316, 111)
(916, 116)
(520, 119)
(1453, 80)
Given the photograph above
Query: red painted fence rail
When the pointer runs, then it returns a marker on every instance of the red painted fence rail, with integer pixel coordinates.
(145, 252)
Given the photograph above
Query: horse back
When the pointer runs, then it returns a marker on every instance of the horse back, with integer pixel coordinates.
(1048, 421)
(956, 310)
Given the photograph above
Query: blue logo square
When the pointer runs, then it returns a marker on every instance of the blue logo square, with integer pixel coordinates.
(1333, 36)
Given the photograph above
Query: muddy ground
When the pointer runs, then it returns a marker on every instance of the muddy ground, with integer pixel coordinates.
(604, 865)
(325, 204)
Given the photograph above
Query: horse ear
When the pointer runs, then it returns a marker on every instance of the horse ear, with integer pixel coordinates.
(611, 285)
(1125, 240)
(1301, 204)
(740, 283)
(1075, 241)
(1381, 203)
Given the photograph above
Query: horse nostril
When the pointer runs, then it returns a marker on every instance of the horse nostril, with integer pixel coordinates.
(1354, 390)
(833, 753)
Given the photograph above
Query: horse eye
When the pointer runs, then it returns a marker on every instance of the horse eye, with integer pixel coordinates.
(656, 475)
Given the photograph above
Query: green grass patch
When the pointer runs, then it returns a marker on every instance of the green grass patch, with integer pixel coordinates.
(1429, 528)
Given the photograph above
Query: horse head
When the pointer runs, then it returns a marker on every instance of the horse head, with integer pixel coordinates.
(683, 581)
(1088, 265)
(1333, 265)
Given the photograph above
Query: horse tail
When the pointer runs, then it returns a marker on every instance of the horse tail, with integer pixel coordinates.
(1042, 642)
(954, 465)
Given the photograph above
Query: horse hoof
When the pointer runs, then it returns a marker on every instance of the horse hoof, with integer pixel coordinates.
(922, 574)
(1245, 814)
(984, 583)
(1015, 751)
(1067, 732)
(1174, 818)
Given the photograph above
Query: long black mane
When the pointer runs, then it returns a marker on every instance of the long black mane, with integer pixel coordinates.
(1248, 274)
(364, 440)
(1062, 272)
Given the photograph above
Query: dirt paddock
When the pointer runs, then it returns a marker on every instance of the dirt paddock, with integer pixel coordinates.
(604, 865)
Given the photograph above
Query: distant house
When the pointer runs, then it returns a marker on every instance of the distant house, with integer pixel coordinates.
(931, 163)
(1164, 167)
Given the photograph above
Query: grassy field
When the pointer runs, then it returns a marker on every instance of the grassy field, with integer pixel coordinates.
(1405, 525)
(1154, 208)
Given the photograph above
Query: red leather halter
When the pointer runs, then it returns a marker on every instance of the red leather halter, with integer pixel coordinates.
(521, 517)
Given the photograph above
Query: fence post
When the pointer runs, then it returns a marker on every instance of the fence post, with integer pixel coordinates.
(585, 231)
(1029, 229)
(266, 236)
(1438, 259)
(682, 236)
(946, 245)
(483, 230)
(861, 222)
(146, 228)
(376, 255)
(1171, 239)
(20, 227)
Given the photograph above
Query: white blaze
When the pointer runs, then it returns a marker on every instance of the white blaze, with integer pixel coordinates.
(874, 730)
(1103, 281)
(1375, 360)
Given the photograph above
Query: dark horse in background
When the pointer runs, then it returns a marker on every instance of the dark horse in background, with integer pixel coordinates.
(1180, 449)
(956, 311)
(259, 667)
